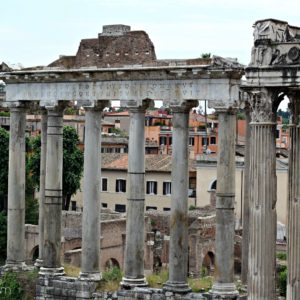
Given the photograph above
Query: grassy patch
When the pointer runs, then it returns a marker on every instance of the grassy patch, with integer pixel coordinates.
(110, 280)
(71, 271)
(157, 280)
(200, 284)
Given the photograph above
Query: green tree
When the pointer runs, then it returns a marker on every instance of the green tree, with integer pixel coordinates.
(205, 55)
(4, 146)
(31, 203)
(72, 164)
(3, 236)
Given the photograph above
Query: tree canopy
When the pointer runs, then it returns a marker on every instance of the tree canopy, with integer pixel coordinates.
(72, 163)
(4, 149)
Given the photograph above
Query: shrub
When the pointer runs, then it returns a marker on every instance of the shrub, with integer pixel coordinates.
(10, 288)
(281, 255)
(3, 236)
(282, 280)
(112, 274)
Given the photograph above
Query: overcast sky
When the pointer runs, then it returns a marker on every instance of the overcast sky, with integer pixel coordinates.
(36, 32)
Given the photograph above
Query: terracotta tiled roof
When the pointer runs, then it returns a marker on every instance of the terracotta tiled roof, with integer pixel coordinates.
(117, 114)
(154, 162)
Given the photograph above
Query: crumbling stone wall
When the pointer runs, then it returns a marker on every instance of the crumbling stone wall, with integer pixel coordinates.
(116, 46)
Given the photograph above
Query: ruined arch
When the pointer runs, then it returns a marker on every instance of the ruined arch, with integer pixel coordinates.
(213, 185)
(212, 191)
(208, 262)
(111, 263)
(34, 253)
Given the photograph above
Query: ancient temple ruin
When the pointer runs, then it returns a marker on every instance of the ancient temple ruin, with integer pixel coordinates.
(121, 65)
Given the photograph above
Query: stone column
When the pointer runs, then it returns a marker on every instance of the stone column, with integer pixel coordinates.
(53, 193)
(293, 223)
(246, 208)
(90, 262)
(178, 250)
(135, 236)
(262, 245)
(16, 190)
(39, 261)
(224, 286)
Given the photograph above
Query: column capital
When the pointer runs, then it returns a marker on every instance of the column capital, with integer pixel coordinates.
(226, 110)
(22, 105)
(97, 105)
(262, 104)
(135, 107)
(58, 106)
(184, 107)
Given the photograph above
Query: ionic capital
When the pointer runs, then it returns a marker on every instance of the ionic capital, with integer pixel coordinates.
(22, 105)
(184, 107)
(58, 107)
(98, 105)
(135, 107)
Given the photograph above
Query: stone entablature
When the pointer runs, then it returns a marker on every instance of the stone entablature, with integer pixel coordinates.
(170, 84)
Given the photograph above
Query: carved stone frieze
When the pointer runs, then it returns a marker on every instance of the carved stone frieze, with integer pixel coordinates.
(275, 43)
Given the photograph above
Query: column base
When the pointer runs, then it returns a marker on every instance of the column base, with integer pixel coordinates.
(177, 287)
(16, 266)
(52, 271)
(224, 291)
(93, 276)
(130, 283)
(38, 263)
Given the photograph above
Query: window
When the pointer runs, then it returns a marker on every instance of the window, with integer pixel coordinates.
(163, 140)
(205, 141)
(166, 209)
(213, 140)
(167, 188)
(120, 208)
(73, 204)
(151, 208)
(104, 184)
(104, 205)
(191, 141)
(213, 185)
(151, 188)
(121, 186)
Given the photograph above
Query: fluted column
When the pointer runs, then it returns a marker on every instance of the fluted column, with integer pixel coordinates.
(178, 251)
(261, 274)
(90, 261)
(224, 263)
(134, 249)
(293, 222)
(16, 190)
(246, 208)
(39, 261)
(53, 193)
